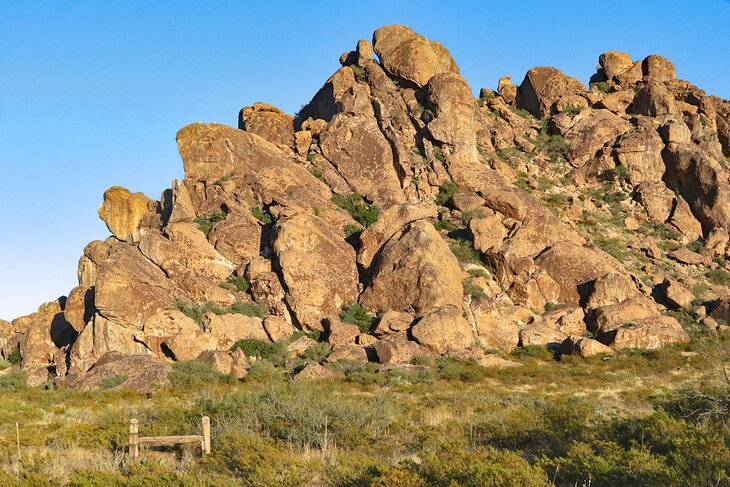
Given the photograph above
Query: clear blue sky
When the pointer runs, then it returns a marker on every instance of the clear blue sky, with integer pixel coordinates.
(92, 93)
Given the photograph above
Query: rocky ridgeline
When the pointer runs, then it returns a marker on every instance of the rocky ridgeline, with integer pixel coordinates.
(543, 214)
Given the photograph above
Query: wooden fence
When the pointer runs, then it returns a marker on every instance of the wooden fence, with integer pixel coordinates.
(135, 441)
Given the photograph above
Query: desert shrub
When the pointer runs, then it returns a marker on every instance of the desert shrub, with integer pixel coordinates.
(521, 112)
(467, 215)
(446, 191)
(248, 309)
(14, 358)
(357, 315)
(459, 370)
(364, 213)
(718, 276)
(532, 351)
(472, 289)
(13, 381)
(602, 86)
(444, 225)
(113, 381)
(555, 145)
(253, 347)
(236, 283)
(196, 313)
(223, 179)
(261, 215)
(464, 251)
(193, 374)
(573, 110)
(613, 246)
(205, 224)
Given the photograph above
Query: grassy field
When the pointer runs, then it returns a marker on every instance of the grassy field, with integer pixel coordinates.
(639, 418)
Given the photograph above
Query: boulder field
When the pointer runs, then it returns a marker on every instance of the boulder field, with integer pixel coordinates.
(585, 219)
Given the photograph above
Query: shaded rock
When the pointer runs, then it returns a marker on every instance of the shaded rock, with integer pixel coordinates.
(542, 87)
(141, 373)
(443, 329)
(566, 318)
(364, 52)
(124, 212)
(664, 206)
(162, 327)
(237, 238)
(612, 288)
(716, 243)
(410, 56)
(607, 319)
(79, 307)
(416, 273)
(331, 98)
(318, 268)
(684, 255)
(617, 102)
(190, 343)
(675, 131)
(654, 99)
(221, 361)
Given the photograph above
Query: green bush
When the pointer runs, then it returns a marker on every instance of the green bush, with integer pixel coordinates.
(444, 225)
(260, 215)
(13, 381)
(253, 347)
(352, 230)
(193, 374)
(472, 289)
(718, 276)
(364, 213)
(601, 86)
(446, 191)
(113, 381)
(357, 315)
(236, 283)
(464, 251)
(196, 313)
(205, 224)
(14, 358)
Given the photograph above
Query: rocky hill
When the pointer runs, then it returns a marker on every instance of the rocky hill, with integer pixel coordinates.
(396, 215)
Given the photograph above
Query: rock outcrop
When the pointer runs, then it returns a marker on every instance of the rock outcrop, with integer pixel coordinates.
(396, 216)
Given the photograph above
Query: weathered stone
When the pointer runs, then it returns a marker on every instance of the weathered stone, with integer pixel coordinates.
(658, 68)
(617, 102)
(390, 222)
(640, 151)
(650, 334)
(715, 244)
(467, 201)
(237, 238)
(143, 373)
(676, 295)
(299, 346)
(354, 144)
(613, 63)
(488, 232)
(397, 349)
(278, 329)
(540, 334)
(163, 326)
(542, 87)
(566, 318)
(492, 329)
(312, 371)
(230, 328)
(675, 131)
(124, 212)
(654, 99)
(190, 343)
(585, 347)
(364, 52)
(79, 307)
(684, 255)
(607, 319)
(318, 268)
(443, 329)
(268, 122)
(416, 273)
(220, 360)
(612, 288)
(337, 332)
(410, 56)
(452, 102)
(348, 351)
(592, 130)
(393, 322)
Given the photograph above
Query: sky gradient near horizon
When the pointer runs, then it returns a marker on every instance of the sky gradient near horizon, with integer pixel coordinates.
(92, 93)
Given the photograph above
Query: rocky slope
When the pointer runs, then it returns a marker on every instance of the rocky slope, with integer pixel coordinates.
(584, 220)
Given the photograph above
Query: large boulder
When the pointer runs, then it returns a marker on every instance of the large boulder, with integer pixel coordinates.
(649, 334)
(268, 122)
(542, 87)
(658, 68)
(390, 222)
(410, 56)
(443, 329)
(318, 268)
(356, 147)
(415, 273)
(492, 329)
(125, 212)
(662, 205)
(640, 151)
(141, 373)
(453, 124)
(593, 130)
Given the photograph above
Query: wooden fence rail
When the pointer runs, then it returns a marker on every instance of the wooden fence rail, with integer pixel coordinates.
(135, 441)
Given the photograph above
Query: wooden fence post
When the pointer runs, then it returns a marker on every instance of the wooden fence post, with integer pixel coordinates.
(205, 426)
(133, 438)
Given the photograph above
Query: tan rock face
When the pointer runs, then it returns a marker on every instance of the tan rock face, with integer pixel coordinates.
(488, 233)
(410, 56)
(492, 329)
(238, 237)
(390, 222)
(277, 328)
(362, 155)
(613, 63)
(416, 273)
(318, 268)
(443, 329)
(658, 68)
(397, 349)
(640, 151)
(393, 322)
(79, 307)
(676, 295)
(124, 212)
(230, 328)
(585, 347)
(574, 267)
(541, 334)
(654, 99)
(542, 87)
(593, 130)
(189, 344)
(268, 122)
(130, 289)
(144, 373)
(650, 334)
